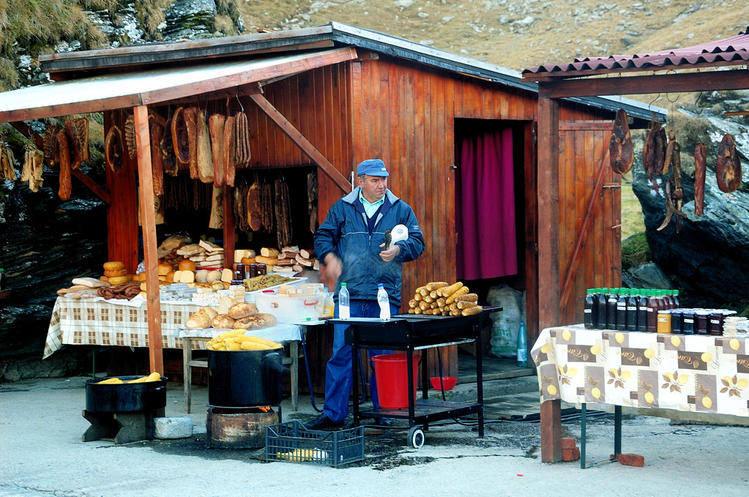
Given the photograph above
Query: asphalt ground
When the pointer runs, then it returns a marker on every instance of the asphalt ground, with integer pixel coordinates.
(41, 454)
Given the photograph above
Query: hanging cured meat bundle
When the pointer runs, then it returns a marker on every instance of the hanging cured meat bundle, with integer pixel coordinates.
(242, 140)
(728, 165)
(240, 212)
(77, 130)
(700, 167)
(132, 147)
(66, 185)
(216, 220)
(190, 116)
(216, 129)
(203, 153)
(312, 200)
(670, 148)
(7, 163)
(254, 207)
(113, 149)
(229, 153)
(654, 149)
(674, 191)
(180, 141)
(156, 126)
(168, 161)
(621, 150)
(33, 168)
(49, 141)
(284, 232)
(267, 203)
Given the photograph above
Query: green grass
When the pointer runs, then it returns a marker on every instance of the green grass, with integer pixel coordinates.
(633, 220)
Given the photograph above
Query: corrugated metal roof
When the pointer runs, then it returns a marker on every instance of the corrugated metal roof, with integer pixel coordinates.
(118, 90)
(728, 51)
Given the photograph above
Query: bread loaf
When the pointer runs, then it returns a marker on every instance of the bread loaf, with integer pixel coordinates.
(186, 265)
(242, 310)
(223, 321)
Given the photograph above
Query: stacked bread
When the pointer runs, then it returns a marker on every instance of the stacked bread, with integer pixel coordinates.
(439, 298)
(239, 316)
(204, 254)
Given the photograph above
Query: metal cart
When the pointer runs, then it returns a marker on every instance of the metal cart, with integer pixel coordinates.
(409, 332)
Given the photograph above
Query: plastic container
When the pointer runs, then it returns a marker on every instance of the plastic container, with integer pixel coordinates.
(384, 302)
(392, 379)
(522, 348)
(446, 382)
(290, 308)
(344, 309)
(294, 443)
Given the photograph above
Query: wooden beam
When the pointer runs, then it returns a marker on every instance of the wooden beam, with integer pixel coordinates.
(229, 233)
(548, 213)
(148, 221)
(551, 431)
(302, 142)
(664, 83)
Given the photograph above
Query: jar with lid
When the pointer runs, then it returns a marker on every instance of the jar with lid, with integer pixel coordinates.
(664, 321)
(687, 322)
(676, 320)
(715, 323)
(261, 269)
(700, 322)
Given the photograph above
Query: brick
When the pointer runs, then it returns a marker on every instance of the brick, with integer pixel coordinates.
(572, 454)
(174, 427)
(568, 443)
(631, 460)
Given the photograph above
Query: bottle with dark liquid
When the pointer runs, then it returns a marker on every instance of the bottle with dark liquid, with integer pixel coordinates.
(632, 310)
(590, 309)
(675, 297)
(611, 309)
(601, 304)
(642, 310)
(653, 305)
(621, 309)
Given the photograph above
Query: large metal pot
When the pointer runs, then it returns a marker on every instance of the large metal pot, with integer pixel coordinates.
(242, 378)
(125, 397)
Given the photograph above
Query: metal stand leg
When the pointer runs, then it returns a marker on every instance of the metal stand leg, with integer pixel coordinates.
(583, 429)
(294, 374)
(617, 430)
(479, 378)
(187, 372)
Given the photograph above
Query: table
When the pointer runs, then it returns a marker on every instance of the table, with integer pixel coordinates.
(123, 323)
(410, 332)
(695, 373)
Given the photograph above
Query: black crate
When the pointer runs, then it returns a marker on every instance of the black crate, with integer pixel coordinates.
(291, 441)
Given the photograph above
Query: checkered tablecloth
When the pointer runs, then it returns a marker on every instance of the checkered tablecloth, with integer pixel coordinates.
(100, 322)
(646, 370)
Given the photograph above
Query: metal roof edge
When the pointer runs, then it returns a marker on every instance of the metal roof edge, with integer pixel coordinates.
(633, 108)
(406, 49)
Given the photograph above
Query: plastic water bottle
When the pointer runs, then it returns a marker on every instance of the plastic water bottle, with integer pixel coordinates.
(384, 301)
(344, 309)
(522, 346)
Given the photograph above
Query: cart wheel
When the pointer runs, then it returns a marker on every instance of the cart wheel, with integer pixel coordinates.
(416, 437)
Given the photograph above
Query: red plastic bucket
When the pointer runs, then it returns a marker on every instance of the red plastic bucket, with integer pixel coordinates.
(391, 373)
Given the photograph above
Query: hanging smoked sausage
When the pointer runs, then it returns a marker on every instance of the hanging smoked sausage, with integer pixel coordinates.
(700, 166)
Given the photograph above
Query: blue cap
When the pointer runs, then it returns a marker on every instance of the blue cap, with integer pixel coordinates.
(372, 167)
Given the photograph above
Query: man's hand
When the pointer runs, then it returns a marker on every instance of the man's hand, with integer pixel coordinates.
(391, 253)
(333, 266)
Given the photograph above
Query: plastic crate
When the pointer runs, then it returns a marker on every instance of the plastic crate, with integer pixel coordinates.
(291, 441)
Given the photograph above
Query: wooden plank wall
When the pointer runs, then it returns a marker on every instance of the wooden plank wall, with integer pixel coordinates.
(581, 154)
(122, 214)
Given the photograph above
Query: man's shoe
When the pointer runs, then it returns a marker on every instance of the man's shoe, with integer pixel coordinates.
(322, 422)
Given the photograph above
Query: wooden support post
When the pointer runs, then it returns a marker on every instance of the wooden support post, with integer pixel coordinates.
(229, 234)
(548, 257)
(148, 222)
(301, 141)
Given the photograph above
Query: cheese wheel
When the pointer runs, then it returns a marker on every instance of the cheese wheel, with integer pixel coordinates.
(186, 265)
(113, 265)
(164, 269)
(115, 272)
(118, 280)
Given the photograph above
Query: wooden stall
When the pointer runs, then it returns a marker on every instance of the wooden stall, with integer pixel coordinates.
(334, 95)
(722, 64)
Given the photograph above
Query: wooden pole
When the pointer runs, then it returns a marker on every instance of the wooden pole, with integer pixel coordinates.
(548, 257)
(229, 234)
(148, 222)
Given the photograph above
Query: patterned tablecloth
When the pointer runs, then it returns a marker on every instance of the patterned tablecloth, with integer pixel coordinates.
(645, 370)
(100, 322)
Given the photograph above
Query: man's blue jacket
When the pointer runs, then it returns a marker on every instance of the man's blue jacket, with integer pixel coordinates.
(356, 240)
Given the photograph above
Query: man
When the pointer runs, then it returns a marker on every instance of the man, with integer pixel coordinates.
(351, 244)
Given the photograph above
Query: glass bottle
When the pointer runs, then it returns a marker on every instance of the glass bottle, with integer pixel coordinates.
(632, 310)
(652, 320)
(601, 304)
(621, 309)
(611, 309)
(590, 310)
(642, 310)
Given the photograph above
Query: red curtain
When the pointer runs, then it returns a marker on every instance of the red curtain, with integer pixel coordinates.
(485, 205)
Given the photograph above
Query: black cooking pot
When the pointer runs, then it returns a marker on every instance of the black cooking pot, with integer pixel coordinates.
(125, 397)
(241, 378)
